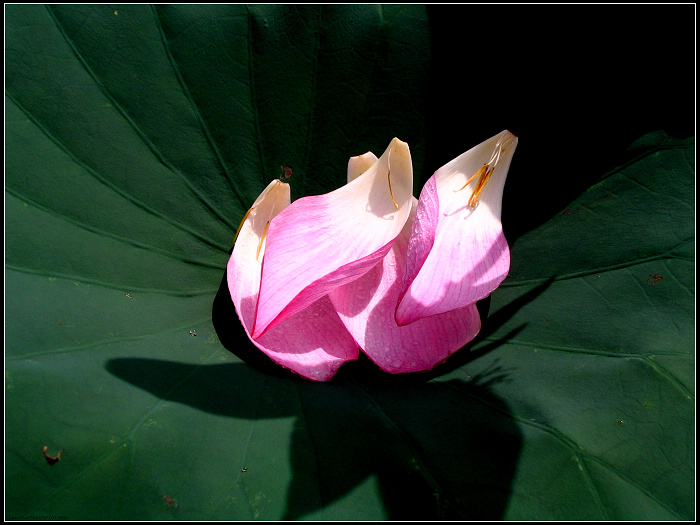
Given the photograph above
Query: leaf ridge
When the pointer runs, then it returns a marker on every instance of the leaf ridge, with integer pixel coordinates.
(113, 187)
(164, 398)
(148, 247)
(670, 376)
(94, 466)
(239, 481)
(640, 184)
(108, 342)
(312, 440)
(583, 351)
(254, 100)
(125, 440)
(195, 108)
(579, 452)
(631, 482)
(314, 105)
(420, 464)
(683, 286)
(662, 146)
(603, 269)
(86, 280)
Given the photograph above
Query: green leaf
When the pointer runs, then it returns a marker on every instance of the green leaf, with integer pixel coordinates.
(136, 138)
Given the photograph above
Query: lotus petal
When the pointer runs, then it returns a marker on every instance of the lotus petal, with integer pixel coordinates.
(457, 253)
(360, 164)
(314, 342)
(321, 242)
(367, 307)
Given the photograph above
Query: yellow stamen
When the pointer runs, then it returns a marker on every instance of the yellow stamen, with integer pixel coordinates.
(241, 225)
(484, 173)
(391, 192)
(388, 177)
(480, 185)
(479, 172)
(262, 239)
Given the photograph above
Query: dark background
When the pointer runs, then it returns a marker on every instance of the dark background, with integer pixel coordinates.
(577, 83)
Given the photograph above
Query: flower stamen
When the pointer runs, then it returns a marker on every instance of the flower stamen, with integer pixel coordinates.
(262, 239)
(480, 185)
(388, 177)
(241, 224)
(484, 173)
(479, 172)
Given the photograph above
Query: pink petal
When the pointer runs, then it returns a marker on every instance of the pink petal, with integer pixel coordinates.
(367, 306)
(457, 252)
(314, 342)
(322, 242)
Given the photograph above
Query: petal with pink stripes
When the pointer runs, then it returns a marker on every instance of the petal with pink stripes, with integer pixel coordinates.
(313, 342)
(321, 242)
(457, 253)
(367, 307)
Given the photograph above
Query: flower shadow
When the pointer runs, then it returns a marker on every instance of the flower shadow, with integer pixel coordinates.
(431, 447)
(434, 450)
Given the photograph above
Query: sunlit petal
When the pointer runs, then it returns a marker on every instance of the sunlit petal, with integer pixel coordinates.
(319, 243)
(457, 252)
(360, 164)
(367, 306)
(313, 343)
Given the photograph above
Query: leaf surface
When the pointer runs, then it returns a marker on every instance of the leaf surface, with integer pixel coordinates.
(136, 138)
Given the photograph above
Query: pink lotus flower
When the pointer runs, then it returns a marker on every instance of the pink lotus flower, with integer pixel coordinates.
(370, 265)
(313, 342)
(457, 253)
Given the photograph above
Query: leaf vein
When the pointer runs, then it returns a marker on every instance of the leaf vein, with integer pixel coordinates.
(129, 197)
(105, 233)
(113, 286)
(137, 130)
(195, 109)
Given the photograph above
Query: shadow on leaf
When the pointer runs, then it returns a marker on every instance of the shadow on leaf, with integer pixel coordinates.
(489, 325)
(438, 450)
